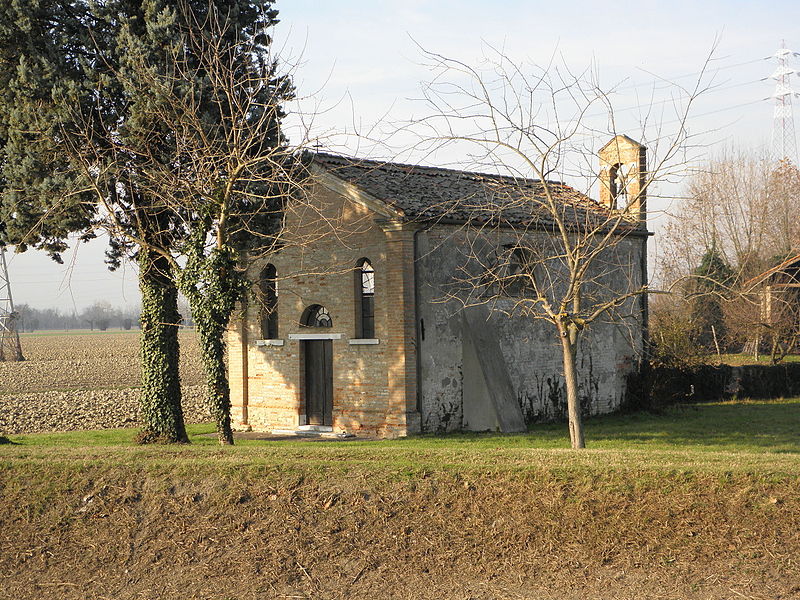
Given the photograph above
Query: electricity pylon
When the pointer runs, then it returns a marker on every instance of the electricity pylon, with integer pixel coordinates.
(784, 145)
(10, 348)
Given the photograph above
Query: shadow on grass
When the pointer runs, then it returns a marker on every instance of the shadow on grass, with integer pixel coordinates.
(735, 426)
(765, 426)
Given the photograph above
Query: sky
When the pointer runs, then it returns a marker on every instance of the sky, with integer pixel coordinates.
(359, 66)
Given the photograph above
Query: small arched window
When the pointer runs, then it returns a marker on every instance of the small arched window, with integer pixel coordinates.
(618, 188)
(316, 315)
(268, 302)
(365, 299)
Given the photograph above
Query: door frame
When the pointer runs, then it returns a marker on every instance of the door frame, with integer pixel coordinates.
(327, 372)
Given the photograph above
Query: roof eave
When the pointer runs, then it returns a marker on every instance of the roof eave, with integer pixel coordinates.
(621, 135)
(759, 279)
(431, 221)
(354, 192)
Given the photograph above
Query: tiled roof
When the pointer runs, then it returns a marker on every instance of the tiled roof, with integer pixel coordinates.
(447, 195)
(792, 262)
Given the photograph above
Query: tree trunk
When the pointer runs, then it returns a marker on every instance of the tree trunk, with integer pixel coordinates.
(213, 287)
(161, 412)
(212, 344)
(569, 347)
(774, 350)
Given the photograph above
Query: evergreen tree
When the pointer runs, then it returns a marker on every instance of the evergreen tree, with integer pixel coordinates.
(236, 172)
(107, 104)
(710, 283)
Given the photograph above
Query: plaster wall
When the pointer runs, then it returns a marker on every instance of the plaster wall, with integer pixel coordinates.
(610, 349)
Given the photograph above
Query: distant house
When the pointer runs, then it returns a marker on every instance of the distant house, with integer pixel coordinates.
(356, 331)
(778, 296)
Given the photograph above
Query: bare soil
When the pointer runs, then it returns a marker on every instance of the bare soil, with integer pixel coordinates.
(81, 380)
(88, 361)
(90, 531)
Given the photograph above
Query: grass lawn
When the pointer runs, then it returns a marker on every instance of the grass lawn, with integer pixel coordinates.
(749, 359)
(748, 436)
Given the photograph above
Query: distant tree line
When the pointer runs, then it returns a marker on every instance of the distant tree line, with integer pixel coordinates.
(100, 316)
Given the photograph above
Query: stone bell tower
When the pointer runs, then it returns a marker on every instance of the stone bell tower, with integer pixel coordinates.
(623, 165)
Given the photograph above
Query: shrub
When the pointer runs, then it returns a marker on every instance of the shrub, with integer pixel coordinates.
(673, 337)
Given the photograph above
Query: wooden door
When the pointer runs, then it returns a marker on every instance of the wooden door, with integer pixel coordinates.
(319, 382)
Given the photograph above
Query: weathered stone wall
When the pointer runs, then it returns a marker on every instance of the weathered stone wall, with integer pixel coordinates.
(610, 349)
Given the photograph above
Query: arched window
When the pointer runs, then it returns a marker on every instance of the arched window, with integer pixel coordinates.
(618, 187)
(316, 316)
(365, 299)
(268, 302)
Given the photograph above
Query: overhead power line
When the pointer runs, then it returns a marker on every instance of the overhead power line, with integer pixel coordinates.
(666, 82)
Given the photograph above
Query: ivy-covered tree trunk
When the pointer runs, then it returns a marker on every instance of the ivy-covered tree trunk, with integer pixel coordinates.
(212, 343)
(161, 412)
(213, 286)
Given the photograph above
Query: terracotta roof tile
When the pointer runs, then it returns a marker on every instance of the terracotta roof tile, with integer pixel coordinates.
(447, 195)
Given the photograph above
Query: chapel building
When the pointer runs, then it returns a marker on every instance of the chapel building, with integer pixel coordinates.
(363, 325)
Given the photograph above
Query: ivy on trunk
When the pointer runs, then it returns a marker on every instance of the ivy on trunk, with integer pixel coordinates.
(160, 401)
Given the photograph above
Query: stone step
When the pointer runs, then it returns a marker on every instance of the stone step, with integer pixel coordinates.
(320, 431)
(316, 428)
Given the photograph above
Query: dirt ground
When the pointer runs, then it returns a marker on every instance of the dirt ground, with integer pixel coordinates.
(88, 361)
(88, 527)
(127, 534)
(80, 380)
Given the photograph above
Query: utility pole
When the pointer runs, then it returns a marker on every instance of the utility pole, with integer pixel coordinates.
(10, 348)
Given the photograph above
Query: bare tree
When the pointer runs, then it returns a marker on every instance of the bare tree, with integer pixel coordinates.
(230, 183)
(99, 314)
(744, 206)
(740, 207)
(536, 246)
(226, 178)
(781, 311)
(193, 178)
(765, 311)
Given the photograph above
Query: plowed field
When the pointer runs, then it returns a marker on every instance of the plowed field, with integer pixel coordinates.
(85, 380)
(87, 361)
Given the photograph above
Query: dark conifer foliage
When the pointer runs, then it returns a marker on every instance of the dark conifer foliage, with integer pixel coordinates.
(710, 286)
(118, 115)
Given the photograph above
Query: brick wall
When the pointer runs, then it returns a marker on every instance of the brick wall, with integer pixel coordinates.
(373, 385)
(627, 161)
